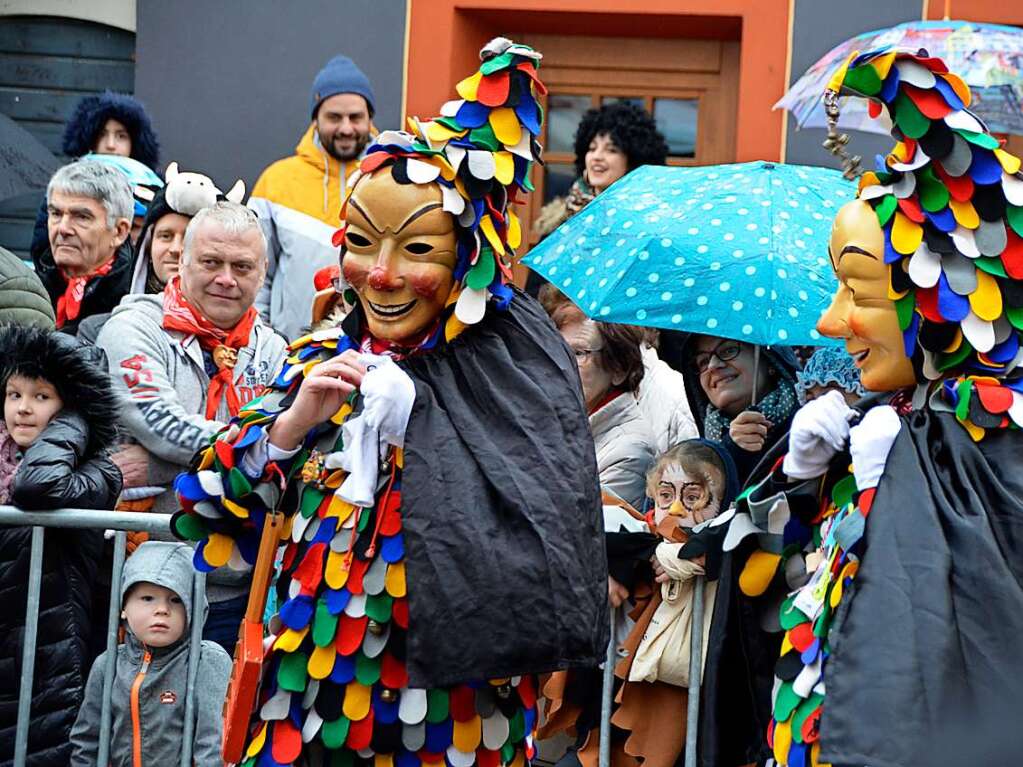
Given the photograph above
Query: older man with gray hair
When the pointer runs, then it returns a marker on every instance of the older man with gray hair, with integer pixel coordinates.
(87, 268)
(186, 360)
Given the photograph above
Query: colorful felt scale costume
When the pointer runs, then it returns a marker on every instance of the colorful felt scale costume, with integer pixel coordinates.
(950, 202)
(412, 622)
(900, 629)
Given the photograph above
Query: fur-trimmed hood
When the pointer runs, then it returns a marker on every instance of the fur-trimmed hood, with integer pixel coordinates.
(91, 114)
(79, 373)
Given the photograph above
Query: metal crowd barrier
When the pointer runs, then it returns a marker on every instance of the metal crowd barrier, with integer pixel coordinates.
(90, 519)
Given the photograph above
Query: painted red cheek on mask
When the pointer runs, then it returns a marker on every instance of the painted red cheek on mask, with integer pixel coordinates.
(859, 326)
(425, 285)
(354, 273)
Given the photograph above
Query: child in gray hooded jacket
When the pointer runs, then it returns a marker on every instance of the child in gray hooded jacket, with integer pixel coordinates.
(151, 671)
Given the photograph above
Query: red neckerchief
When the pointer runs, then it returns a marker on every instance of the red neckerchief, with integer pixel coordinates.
(614, 393)
(179, 315)
(69, 305)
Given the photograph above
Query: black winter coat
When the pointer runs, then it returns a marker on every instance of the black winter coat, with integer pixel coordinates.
(65, 467)
(102, 294)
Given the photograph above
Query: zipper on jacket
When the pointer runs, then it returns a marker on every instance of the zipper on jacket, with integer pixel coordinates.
(136, 717)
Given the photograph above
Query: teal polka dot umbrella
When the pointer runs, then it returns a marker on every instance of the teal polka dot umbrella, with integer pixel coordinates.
(739, 251)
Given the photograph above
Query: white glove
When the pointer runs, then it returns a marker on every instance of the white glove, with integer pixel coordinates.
(388, 394)
(870, 442)
(819, 430)
(387, 397)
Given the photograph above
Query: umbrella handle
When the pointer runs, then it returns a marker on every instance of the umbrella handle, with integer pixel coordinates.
(756, 374)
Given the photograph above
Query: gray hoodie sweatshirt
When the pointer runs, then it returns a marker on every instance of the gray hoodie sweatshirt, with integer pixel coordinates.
(161, 378)
(157, 679)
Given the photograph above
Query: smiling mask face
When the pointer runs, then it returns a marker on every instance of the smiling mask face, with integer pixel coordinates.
(861, 312)
(400, 256)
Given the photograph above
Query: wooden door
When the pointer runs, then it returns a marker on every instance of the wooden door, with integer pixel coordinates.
(690, 86)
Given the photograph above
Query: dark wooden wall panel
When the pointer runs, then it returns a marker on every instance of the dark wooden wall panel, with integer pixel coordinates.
(46, 65)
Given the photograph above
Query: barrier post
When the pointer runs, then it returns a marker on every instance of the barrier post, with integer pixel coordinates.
(695, 674)
(113, 621)
(28, 649)
(194, 651)
(607, 691)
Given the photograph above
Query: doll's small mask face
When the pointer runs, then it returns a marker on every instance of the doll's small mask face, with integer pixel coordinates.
(691, 498)
(861, 312)
(400, 256)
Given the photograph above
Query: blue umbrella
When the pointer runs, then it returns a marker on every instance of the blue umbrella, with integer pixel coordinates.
(738, 251)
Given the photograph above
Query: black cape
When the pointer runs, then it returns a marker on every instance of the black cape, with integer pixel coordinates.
(501, 506)
(926, 665)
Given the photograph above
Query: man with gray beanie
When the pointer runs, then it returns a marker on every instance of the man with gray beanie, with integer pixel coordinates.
(298, 199)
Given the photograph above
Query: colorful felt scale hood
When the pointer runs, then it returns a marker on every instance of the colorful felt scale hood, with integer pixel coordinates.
(479, 151)
(950, 202)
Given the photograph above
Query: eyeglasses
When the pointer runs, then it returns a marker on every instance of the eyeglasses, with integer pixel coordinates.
(724, 353)
(581, 354)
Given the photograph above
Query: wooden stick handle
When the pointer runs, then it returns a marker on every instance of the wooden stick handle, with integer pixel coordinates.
(268, 542)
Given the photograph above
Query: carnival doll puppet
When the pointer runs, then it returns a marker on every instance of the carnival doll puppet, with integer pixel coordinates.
(433, 458)
(688, 486)
(903, 611)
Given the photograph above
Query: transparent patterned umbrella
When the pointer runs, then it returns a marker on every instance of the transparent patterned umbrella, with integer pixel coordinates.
(738, 251)
(989, 57)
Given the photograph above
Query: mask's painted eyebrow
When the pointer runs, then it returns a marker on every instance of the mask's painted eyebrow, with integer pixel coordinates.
(415, 214)
(365, 215)
(854, 249)
(422, 211)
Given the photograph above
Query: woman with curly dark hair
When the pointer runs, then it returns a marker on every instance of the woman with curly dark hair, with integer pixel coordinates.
(610, 141)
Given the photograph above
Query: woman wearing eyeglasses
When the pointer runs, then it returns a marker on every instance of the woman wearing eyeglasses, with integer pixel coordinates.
(745, 405)
(610, 370)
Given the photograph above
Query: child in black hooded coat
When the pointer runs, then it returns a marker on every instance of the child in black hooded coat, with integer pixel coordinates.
(53, 454)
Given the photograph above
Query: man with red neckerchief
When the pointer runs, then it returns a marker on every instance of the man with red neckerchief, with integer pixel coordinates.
(187, 359)
(87, 268)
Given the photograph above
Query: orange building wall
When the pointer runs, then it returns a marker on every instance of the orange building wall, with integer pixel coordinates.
(444, 38)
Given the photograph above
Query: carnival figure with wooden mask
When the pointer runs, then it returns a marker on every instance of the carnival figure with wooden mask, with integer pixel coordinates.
(899, 606)
(433, 459)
